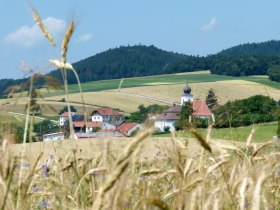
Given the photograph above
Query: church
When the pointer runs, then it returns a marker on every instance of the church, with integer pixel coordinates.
(170, 116)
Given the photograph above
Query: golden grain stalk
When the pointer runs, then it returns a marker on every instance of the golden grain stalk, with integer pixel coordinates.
(66, 40)
(44, 29)
(201, 140)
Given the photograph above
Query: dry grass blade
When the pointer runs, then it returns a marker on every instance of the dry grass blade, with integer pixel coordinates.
(201, 140)
(257, 192)
(242, 193)
(188, 165)
(187, 188)
(121, 165)
(90, 172)
(260, 148)
(151, 172)
(213, 167)
(120, 85)
(44, 29)
(158, 203)
(209, 130)
(250, 137)
(66, 40)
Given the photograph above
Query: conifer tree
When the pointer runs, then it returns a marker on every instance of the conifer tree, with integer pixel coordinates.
(185, 115)
(211, 99)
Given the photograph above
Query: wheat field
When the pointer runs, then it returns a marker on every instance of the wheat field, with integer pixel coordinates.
(225, 90)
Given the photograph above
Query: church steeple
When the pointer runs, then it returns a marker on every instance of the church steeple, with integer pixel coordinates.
(187, 89)
(187, 96)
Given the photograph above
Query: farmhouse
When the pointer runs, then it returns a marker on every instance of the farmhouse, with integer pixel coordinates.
(64, 117)
(107, 115)
(127, 129)
(82, 126)
(169, 117)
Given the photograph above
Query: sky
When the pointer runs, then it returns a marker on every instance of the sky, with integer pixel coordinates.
(193, 27)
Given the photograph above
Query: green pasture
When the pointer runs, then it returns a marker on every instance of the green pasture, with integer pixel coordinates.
(263, 133)
(172, 79)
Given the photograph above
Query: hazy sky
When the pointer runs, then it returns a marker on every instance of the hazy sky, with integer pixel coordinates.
(196, 27)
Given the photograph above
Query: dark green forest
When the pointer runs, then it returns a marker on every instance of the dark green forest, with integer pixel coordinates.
(136, 61)
(253, 110)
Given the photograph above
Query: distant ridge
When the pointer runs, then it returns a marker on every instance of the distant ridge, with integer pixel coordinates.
(124, 61)
(269, 48)
(140, 60)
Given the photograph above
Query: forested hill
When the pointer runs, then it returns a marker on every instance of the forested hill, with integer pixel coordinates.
(249, 59)
(133, 61)
(269, 48)
(123, 62)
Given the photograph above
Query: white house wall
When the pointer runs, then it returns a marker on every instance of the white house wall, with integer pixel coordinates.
(161, 124)
(97, 118)
(62, 120)
(186, 98)
(137, 127)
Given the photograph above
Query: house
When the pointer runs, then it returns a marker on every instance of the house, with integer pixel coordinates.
(107, 115)
(169, 117)
(53, 136)
(86, 126)
(128, 128)
(65, 116)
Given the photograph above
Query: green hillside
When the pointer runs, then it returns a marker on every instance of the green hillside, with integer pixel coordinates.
(161, 79)
(269, 48)
(123, 62)
(139, 61)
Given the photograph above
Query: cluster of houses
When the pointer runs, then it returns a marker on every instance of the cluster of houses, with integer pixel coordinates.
(103, 122)
(107, 122)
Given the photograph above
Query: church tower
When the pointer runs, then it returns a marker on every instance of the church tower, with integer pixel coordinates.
(187, 96)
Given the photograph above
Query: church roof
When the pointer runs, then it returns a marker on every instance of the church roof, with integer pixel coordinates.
(200, 108)
(172, 113)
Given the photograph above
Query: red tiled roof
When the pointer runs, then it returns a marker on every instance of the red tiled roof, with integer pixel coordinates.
(126, 127)
(174, 109)
(88, 124)
(66, 114)
(107, 112)
(172, 113)
(168, 116)
(200, 108)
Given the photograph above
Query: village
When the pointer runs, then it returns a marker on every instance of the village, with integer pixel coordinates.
(107, 122)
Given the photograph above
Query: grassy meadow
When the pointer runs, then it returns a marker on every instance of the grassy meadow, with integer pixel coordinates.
(263, 133)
